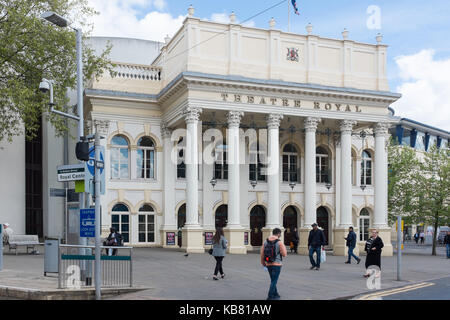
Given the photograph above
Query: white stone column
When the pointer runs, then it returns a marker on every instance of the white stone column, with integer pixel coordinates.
(346, 127)
(380, 189)
(379, 220)
(234, 231)
(234, 119)
(310, 125)
(273, 171)
(192, 232)
(310, 170)
(169, 170)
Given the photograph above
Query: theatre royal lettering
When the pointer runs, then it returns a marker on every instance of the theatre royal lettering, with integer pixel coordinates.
(286, 102)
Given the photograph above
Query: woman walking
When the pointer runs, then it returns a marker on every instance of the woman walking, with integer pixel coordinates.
(373, 249)
(219, 250)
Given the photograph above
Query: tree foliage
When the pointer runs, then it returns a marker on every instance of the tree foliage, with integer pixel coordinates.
(402, 184)
(419, 186)
(31, 49)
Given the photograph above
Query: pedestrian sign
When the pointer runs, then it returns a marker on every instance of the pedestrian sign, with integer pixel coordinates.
(90, 171)
(87, 223)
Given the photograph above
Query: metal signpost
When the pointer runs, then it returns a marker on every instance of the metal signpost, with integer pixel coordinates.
(1, 247)
(99, 166)
(399, 247)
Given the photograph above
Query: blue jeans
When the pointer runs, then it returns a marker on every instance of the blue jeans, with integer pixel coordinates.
(351, 254)
(311, 252)
(448, 250)
(274, 272)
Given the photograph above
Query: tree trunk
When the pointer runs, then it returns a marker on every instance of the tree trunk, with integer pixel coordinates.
(436, 224)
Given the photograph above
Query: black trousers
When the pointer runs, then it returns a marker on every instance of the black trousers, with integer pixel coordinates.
(218, 265)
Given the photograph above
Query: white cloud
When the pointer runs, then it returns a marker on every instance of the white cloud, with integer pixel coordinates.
(425, 89)
(119, 18)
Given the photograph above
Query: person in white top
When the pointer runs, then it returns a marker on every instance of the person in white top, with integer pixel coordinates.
(7, 231)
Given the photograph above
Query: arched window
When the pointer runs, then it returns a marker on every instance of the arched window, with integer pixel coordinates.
(120, 220)
(364, 224)
(145, 158)
(322, 166)
(181, 166)
(291, 167)
(146, 219)
(220, 162)
(366, 168)
(257, 168)
(120, 158)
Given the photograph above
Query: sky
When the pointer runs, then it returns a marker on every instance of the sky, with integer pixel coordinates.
(417, 33)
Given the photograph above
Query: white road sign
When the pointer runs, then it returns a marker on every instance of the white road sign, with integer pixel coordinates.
(71, 172)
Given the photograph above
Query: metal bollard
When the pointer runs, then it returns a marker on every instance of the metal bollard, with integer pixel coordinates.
(1, 247)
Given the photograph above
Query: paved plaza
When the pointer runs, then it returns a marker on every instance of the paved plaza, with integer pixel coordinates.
(171, 275)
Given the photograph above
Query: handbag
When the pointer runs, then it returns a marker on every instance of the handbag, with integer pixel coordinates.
(210, 251)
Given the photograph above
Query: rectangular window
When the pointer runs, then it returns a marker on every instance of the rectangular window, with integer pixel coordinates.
(146, 228)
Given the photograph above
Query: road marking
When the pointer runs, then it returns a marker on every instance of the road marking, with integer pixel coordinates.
(378, 295)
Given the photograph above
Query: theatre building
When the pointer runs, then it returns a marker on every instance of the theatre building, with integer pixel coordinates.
(242, 128)
(246, 129)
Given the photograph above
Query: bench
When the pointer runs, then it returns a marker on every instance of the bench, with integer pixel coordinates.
(25, 240)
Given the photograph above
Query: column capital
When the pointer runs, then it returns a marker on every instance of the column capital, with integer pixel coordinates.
(311, 124)
(234, 118)
(381, 129)
(166, 132)
(191, 114)
(273, 120)
(102, 126)
(346, 126)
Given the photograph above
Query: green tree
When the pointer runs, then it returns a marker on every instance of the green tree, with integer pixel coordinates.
(433, 190)
(402, 184)
(32, 48)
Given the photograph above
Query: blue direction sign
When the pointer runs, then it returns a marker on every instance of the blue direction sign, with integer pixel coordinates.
(87, 223)
(90, 171)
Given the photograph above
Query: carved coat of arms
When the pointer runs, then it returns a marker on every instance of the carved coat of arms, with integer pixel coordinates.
(292, 54)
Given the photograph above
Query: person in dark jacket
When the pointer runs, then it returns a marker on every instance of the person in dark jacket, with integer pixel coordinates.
(295, 239)
(316, 240)
(114, 239)
(447, 243)
(351, 244)
(373, 248)
(219, 251)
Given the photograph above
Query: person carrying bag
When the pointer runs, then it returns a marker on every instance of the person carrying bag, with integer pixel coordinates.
(218, 252)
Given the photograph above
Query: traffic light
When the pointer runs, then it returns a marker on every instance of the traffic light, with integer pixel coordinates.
(82, 150)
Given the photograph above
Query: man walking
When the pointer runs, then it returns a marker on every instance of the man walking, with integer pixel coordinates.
(447, 243)
(272, 253)
(351, 244)
(316, 240)
(295, 239)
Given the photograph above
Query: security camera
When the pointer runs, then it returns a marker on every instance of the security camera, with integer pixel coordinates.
(44, 86)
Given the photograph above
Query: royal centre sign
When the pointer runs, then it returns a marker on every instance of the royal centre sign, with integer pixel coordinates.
(71, 172)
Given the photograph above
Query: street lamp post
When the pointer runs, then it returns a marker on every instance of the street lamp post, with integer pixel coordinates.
(63, 23)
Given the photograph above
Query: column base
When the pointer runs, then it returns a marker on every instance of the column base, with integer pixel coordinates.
(385, 235)
(235, 237)
(164, 231)
(192, 239)
(303, 241)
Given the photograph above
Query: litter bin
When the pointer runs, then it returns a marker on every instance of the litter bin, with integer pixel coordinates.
(51, 255)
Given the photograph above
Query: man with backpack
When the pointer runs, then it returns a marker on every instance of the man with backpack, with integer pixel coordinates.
(272, 253)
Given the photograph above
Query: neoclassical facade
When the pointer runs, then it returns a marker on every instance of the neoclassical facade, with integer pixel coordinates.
(246, 129)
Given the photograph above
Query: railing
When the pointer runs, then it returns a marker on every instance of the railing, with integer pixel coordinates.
(76, 267)
(138, 72)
